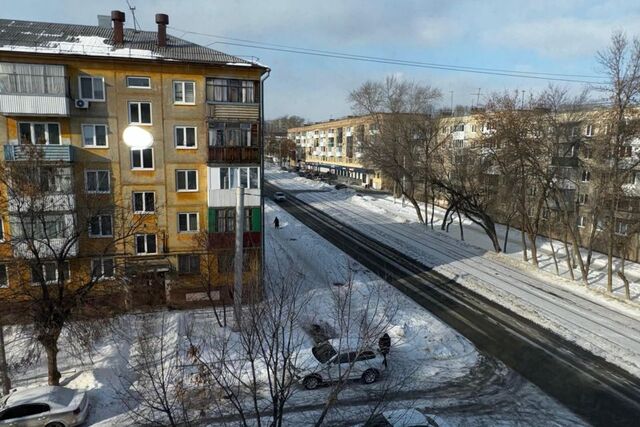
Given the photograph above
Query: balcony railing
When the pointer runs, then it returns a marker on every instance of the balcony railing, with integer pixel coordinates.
(63, 153)
(234, 155)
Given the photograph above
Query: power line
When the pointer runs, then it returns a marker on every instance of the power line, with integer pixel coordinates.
(363, 58)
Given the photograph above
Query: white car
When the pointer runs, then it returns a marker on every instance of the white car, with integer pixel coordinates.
(48, 406)
(405, 418)
(279, 196)
(324, 365)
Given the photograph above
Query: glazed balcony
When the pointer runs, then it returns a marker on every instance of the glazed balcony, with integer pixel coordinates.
(33, 89)
(26, 152)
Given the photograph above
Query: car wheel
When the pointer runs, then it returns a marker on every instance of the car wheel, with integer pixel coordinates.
(370, 376)
(55, 424)
(311, 382)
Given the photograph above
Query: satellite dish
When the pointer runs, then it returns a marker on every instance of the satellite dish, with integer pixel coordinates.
(136, 137)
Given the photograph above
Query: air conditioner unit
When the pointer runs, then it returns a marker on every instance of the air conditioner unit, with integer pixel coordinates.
(81, 103)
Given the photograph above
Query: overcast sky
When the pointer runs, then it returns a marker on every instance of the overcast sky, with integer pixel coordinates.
(552, 36)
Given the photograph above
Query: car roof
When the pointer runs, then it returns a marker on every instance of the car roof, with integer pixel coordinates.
(346, 344)
(52, 395)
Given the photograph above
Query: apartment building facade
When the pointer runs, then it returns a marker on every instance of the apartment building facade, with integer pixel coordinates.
(68, 93)
(335, 146)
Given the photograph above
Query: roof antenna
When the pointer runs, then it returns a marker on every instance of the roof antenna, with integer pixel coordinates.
(133, 13)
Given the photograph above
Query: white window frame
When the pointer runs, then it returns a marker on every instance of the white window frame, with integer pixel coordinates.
(238, 177)
(102, 276)
(144, 202)
(101, 236)
(93, 92)
(583, 198)
(96, 171)
(139, 103)
(184, 83)
(622, 231)
(130, 86)
(188, 214)
(155, 236)
(187, 189)
(183, 129)
(6, 275)
(582, 220)
(588, 131)
(93, 126)
(585, 174)
(46, 132)
(68, 268)
(142, 168)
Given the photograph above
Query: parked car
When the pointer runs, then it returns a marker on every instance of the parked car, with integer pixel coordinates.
(48, 406)
(405, 418)
(340, 186)
(323, 364)
(279, 197)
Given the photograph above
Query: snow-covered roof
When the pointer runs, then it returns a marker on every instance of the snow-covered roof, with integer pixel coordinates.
(70, 39)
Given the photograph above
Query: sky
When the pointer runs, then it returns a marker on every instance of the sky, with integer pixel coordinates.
(544, 36)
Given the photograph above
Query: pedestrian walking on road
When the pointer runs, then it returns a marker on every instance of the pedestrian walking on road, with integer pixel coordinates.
(276, 223)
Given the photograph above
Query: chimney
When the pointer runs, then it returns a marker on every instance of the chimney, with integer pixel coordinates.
(118, 26)
(162, 20)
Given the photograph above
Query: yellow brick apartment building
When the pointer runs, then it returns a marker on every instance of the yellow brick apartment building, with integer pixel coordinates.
(70, 91)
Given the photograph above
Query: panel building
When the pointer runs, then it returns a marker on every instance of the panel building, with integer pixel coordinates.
(167, 210)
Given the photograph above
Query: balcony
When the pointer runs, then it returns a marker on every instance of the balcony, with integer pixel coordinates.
(33, 89)
(224, 198)
(45, 249)
(565, 161)
(250, 155)
(53, 153)
(47, 202)
(233, 110)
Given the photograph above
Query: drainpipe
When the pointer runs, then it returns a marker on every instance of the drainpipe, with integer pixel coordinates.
(262, 242)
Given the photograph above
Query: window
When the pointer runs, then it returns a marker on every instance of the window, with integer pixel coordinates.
(144, 202)
(184, 93)
(139, 113)
(625, 151)
(146, 244)
(575, 130)
(138, 82)
(458, 143)
(600, 225)
(48, 272)
(39, 133)
(583, 199)
(94, 135)
(226, 220)
(581, 221)
(189, 264)
(53, 179)
(226, 260)
(586, 176)
(232, 135)
(142, 158)
(459, 127)
(622, 228)
(589, 130)
(97, 181)
(1, 229)
(636, 178)
(102, 268)
(186, 180)
(4, 277)
(187, 222)
(233, 177)
(101, 226)
(185, 137)
(92, 88)
(32, 79)
(230, 90)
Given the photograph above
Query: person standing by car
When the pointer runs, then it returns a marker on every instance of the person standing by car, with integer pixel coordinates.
(384, 345)
(276, 223)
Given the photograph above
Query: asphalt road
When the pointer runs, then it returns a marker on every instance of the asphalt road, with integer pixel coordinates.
(598, 391)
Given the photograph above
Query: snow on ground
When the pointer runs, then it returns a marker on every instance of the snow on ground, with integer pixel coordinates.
(431, 366)
(606, 326)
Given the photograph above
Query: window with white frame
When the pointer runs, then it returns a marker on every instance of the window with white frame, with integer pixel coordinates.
(92, 88)
(231, 90)
(586, 176)
(600, 225)
(589, 130)
(223, 134)
(246, 177)
(581, 221)
(142, 158)
(39, 133)
(101, 226)
(457, 143)
(136, 82)
(94, 135)
(97, 181)
(187, 222)
(186, 180)
(583, 199)
(4, 277)
(146, 244)
(139, 113)
(102, 268)
(184, 92)
(48, 272)
(185, 137)
(144, 202)
(622, 228)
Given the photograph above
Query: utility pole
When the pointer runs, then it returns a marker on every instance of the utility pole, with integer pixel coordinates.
(4, 369)
(238, 259)
(451, 103)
